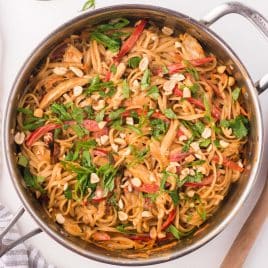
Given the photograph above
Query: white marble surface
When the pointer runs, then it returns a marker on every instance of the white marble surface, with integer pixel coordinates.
(24, 23)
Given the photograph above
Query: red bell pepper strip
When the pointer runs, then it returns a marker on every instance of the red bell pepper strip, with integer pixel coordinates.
(148, 188)
(180, 133)
(169, 219)
(228, 163)
(174, 68)
(99, 152)
(101, 236)
(131, 41)
(143, 238)
(40, 132)
(215, 111)
(107, 76)
(177, 157)
(90, 125)
(205, 182)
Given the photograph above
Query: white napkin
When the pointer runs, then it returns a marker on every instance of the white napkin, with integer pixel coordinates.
(20, 256)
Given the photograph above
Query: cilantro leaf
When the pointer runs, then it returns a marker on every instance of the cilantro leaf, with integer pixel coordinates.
(113, 25)
(23, 161)
(239, 126)
(107, 172)
(68, 193)
(176, 233)
(153, 92)
(146, 79)
(32, 181)
(204, 143)
(236, 93)
(88, 4)
(174, 196)
(159, 127)
(96, 85)
(186, 146)
(100, 115)
(116, 114)
(193, 72)
(112, 44)
(125, 89)
(113, 69)
(134, 129)
(170, 114)
(134, 62)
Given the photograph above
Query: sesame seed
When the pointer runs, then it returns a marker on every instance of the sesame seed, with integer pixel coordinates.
(65, 186)
(120, 203)
(38, 113)
(224, 144)
(146, 214)
(122, 216)
(177, 77)
(167, 30)
(102, 124)
(19, 137)
(130, 121)
(186, 92)
(136, 182)
(77, 91)
(195, 146)
(206, 133)
(94, 178)
(59, 218)
(104, 139)
(144, 63)
(231, 81)
(221, 69)
(60, 70)
(190, 193)
(76, 71)
(114, 147)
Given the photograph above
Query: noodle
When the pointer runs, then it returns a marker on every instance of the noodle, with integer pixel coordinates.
(133, 135)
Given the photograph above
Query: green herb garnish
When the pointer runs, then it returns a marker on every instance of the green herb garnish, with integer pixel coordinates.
(134, 62)
(204, 143)
(113, 69)
(176, 233)
(236, 93)
(170, 114)
(116, 114)
(125, 89)
(186, 146)
(107, 172)
(159, 127)
(23, 161)
(135, 129)
(68, 193)
(239, 126)
(32, 181)
(88, 4)
(96, 85)
(100, 115)
(146, 79)
(112, 44)
(153, 92)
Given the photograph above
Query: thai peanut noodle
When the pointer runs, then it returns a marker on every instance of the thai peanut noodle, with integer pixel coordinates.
(132, 149)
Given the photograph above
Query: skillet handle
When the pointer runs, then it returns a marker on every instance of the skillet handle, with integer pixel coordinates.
(257, 19)
(4, 248)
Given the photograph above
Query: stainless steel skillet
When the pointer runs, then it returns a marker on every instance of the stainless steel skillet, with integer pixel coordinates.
(212, 42)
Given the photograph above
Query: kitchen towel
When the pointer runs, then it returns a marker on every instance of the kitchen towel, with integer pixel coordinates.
(21, 256)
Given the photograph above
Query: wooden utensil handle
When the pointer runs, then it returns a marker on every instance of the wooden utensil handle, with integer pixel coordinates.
(238, 252)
